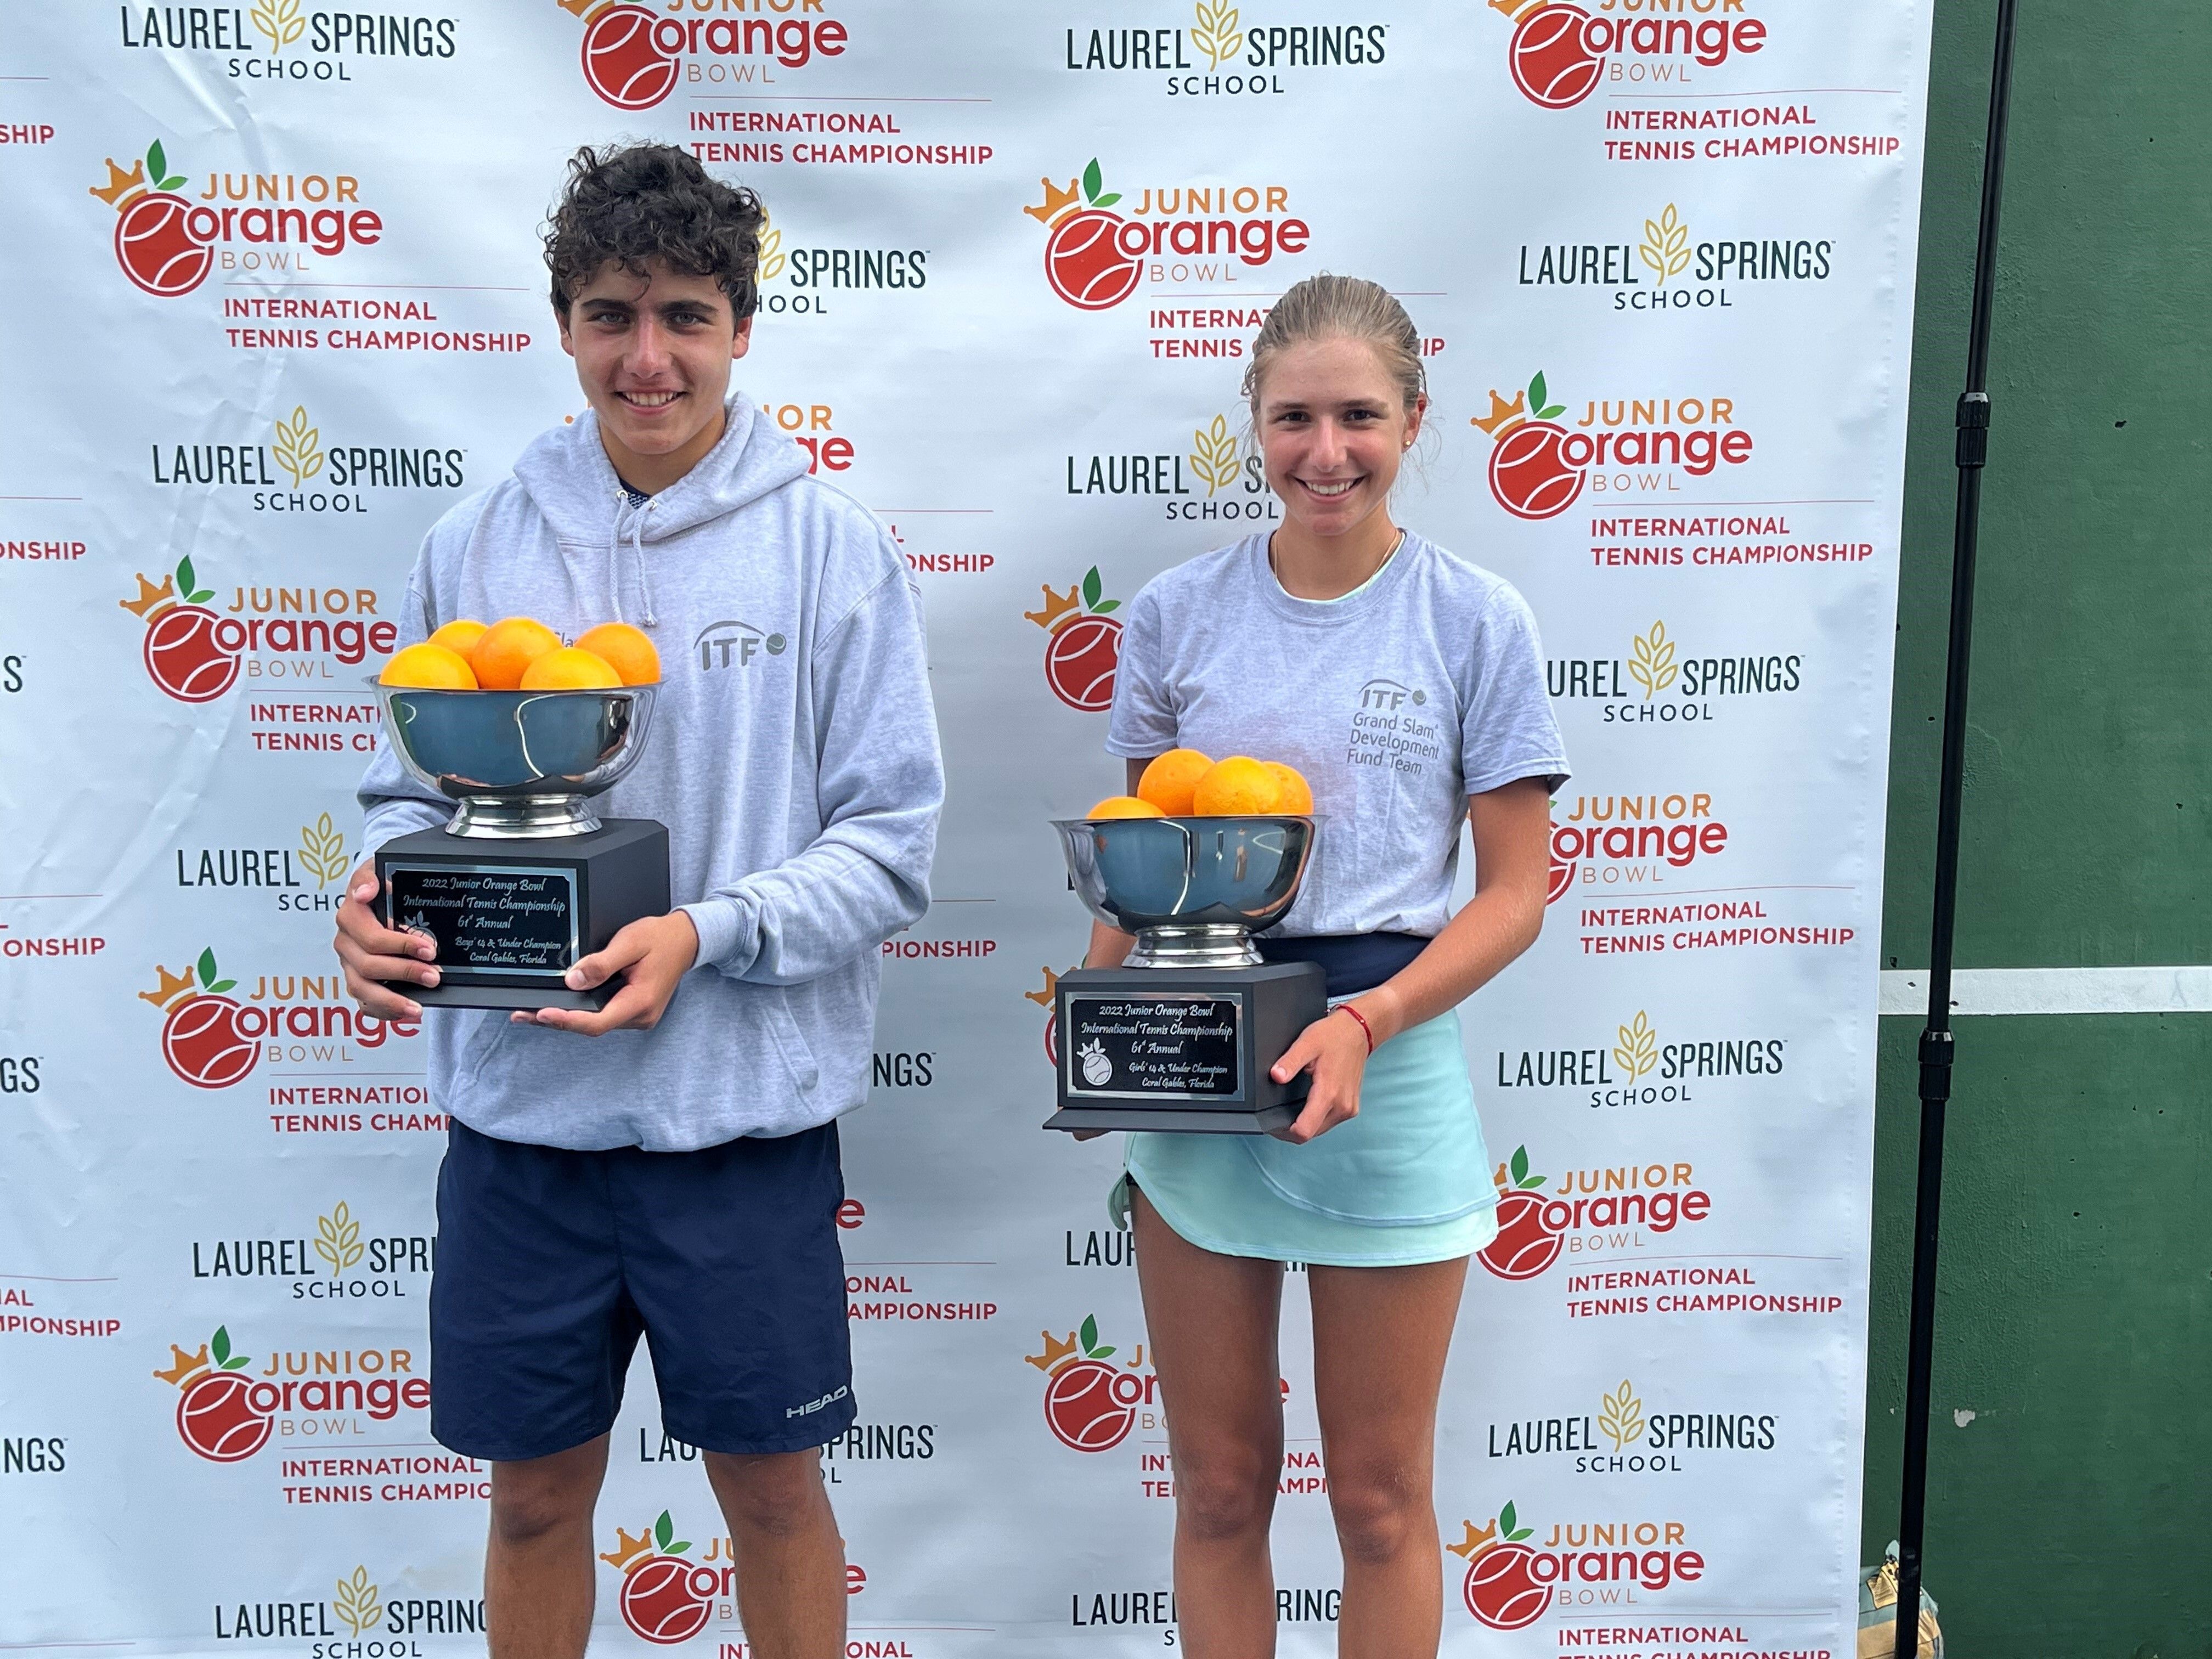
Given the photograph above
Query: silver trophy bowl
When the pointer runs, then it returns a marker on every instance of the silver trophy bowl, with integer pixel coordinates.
(1193, 890)
(521, 763)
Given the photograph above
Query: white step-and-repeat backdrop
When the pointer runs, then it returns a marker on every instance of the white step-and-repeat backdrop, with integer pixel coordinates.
(275, 303)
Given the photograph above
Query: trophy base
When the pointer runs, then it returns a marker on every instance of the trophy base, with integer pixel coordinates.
(528, 999)
(1167, 1121)
(511, 917)
(1183, 1051)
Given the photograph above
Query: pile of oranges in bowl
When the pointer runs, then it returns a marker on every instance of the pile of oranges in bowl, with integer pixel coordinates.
(521, 653)
(1185, 784)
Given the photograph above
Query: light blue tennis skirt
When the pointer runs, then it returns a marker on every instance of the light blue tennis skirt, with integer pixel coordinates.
(1408, 1179)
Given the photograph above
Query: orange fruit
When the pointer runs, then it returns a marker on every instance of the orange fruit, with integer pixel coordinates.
(1238, 788)
(569, 669)
(1124, 806)
(507, 648)
(1297, 795)
(460, 635)
(1169, 779)
(627, 651)
(428, 666)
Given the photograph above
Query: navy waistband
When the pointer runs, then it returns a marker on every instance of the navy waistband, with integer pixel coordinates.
(1352, 962)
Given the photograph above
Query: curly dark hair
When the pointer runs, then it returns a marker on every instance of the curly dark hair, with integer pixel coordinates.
(631, 203)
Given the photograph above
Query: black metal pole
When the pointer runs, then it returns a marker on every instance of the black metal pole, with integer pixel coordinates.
(1936, 1043)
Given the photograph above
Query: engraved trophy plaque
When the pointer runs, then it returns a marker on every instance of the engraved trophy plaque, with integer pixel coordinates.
(526, 879)
(1180, 1036)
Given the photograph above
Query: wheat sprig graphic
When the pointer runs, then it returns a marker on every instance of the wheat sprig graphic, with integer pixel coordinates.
(1621, 1416)
(1666, 246)
(322, 851)
(1638, 1046)
(358, 1604)
(771, 261)
(299, 446)
(1213, 454)
(1216, 34)
(281, 22)
(1651, 662)
(338, 1238)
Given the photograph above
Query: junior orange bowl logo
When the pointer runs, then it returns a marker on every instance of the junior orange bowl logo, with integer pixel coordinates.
(1529, 474)
(1085, 645)
(1084, 259)
(153, 243)
(1558, 51)
(1510, 1580)
(632, 57)
(201, 1038)
(665, 1599)
(1089, 1404)
(1595, 1212)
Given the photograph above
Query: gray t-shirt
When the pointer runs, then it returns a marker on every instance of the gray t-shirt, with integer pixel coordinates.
(1397, 702)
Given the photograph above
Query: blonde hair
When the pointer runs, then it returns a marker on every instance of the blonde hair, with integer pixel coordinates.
(1327, 307)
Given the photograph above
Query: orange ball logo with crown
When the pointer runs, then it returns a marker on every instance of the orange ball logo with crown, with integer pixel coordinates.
(1089, 1404)
(665, 1598)
(1501, 1589)
(1084, 259)
(1085, 647)
(153, 243)
(625, 61)
(181, 651)
(215, 1401)
(1529, 476)
(200, 1035)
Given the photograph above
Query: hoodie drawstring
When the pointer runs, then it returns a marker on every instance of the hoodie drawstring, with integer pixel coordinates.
(637, 523)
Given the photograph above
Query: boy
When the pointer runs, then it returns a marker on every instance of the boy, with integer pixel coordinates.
(677, 1175)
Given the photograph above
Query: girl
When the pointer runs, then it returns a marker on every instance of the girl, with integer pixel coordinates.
(1407, 685)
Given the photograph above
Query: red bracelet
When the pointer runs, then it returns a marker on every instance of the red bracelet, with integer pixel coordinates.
(1346, 1008)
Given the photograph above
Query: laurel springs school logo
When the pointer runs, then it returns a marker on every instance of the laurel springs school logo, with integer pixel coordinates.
(1085, 646)
(1089, 1404)
(1510, 1580)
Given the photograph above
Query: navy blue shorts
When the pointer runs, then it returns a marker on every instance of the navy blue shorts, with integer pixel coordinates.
(552, 1263)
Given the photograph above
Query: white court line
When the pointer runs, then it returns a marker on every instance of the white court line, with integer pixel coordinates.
(2056, 991)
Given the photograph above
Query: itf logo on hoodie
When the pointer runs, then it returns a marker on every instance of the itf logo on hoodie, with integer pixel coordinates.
(733, 644)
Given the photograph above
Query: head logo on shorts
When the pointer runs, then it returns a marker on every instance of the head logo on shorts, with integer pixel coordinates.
(1085, 647)
(1089, 1404)
(1529, 476)
(153, 243)
(1084, 259)
(665, 1598)
(200, 1035)
(217, 1415)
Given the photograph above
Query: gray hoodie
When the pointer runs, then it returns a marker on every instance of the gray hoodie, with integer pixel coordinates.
(792, 755)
